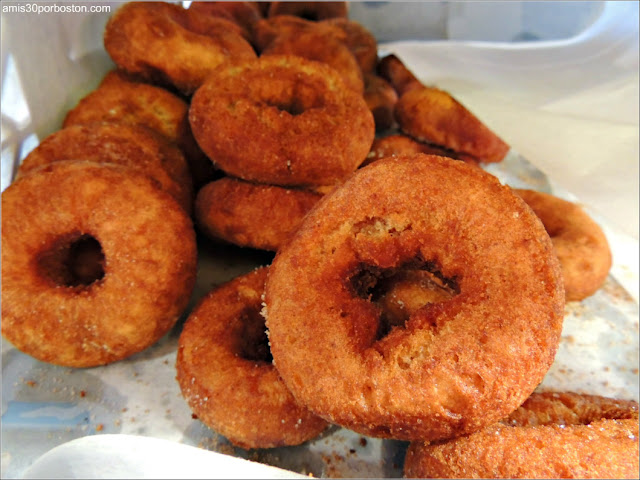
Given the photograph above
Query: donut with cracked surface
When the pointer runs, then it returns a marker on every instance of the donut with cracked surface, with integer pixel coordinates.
(454, 366)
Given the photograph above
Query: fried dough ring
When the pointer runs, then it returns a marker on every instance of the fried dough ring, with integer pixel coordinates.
(244, 14)
(399, 144)
(132, 146)
(397, 74)
(305, 127)
(309, 10)
(166, 43)
(142, 287)
(455, 366)
(121, 99)
(268, 29)
(359, 40)
(251, 215)
(321, 46)
(579, 243)
(225, 372)
(552, 435)
(433, 116)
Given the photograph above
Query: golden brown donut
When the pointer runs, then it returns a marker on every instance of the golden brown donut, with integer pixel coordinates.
(166, 43)
(359, 40)
(266, 30)
(145, 272)
(120, 98)
(321, 46)
(453, 367)
(225, 372)
(392, 69)
(552, 435)
(579, 243)
(381, 99)
(251, 215)
(433, 116)
(282, 120)
(309, 10)
(399, 144)
(132, 146)
(244, 14)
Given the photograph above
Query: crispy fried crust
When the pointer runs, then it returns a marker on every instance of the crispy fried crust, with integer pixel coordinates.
(359, 40)
(309, 10)
(165, 43)
(122, 99)
(282, 120)
(579, 242)
(434, 116)
(132, 146)
(244, 14)
(399, 144)
(381, 99)
(391, 68)
(454, 367)
(321, 46)
(552, 435)
(251, 215)
(226, 376)
(149, 249)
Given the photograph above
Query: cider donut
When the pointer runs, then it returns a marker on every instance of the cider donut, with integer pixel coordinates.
(453, 367)
(282, 120)
(393, 70)
(132, 146)
(268, 29)
(165, 43)
(120, 98)
(251, 215)
(309, 10)
(244, 14)
(552, 435)
(399, 144)
(225, 372)
(143, 247)
(359, 40)
(433, 116)
(318, 45)
(579, 243)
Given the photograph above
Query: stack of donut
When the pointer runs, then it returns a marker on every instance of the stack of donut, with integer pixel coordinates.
(412, 295)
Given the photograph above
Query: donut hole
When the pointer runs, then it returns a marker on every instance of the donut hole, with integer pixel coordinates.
(75, 260)
(294, 107)
(399, 292)
(294, 99)
(253, 340)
